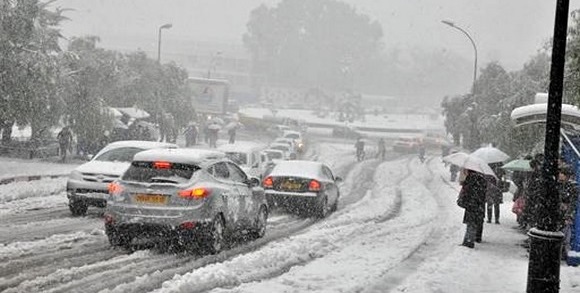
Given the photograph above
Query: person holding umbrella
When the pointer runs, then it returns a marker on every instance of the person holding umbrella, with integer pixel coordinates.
(472, 199)
(472, 194)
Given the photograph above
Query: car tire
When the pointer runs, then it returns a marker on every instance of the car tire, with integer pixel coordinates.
(322, 210)
(78, 208)
(215, 240)
(118, 239)
(260, 223)
(334, 207)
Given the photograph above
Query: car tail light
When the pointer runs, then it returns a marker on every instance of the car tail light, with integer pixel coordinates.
(187, 225)
(161, 165)
(314, 185)
(109, 220)
(268, 182)
(196, 193)
(115, 188)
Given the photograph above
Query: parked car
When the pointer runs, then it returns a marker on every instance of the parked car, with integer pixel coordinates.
(87, 184)
(305, 186)
(195, 197)
(247, 155)
(407, 144)
(346, 132)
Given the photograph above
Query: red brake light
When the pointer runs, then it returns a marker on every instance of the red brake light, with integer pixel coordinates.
(115, 188)
(268, 182)
(196, 193)
(161, 165)
(314, 185)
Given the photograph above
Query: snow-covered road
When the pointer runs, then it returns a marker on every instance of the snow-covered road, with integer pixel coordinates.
(392, 215)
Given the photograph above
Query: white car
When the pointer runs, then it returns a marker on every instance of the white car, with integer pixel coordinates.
(288, 141)
(289, 154)
(87, 185)
(248, 156)
(296, 136)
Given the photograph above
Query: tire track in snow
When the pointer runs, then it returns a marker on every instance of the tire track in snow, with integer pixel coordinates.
(396, 275)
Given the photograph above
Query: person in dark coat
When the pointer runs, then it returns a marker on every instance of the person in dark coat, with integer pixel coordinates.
(65, 138)
(568, 199)
(493, 198)
(190, 135)
(535, 191)
(472, 196)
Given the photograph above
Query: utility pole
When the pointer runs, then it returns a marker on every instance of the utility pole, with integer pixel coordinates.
(546, 239)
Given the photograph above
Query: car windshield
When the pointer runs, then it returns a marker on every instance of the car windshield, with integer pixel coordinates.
(119, 155)
(149, 172)
(280, 147)
(292, 135)
(274, 155)
(237, 157)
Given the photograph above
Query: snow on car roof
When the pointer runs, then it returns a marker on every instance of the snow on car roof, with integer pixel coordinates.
(184, 156)
(279, 144)
(240, 146)
(142, 144)
(307, 169)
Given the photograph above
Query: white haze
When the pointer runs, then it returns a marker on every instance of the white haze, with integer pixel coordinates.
(505, 31)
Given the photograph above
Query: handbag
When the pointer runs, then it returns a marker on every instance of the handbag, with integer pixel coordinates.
(461, 199)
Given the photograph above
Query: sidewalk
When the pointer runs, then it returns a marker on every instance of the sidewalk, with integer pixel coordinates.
(498, 264)
(13, 167)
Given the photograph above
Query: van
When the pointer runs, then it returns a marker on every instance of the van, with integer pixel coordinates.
(248, 156)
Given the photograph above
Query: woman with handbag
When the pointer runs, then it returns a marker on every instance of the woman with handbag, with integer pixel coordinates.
(472, 199)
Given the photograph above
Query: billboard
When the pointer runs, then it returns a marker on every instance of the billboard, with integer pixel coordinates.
(209, 96)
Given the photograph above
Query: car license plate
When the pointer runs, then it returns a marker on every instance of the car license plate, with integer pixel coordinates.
(151, 198)
(291, 185)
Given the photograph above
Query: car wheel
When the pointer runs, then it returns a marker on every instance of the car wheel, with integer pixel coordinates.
(216, 239)
(323, 209)
(261, 223)
(118, 239)
(78, 208)
(335, 204)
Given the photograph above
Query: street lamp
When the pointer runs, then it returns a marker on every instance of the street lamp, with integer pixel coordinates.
(213, 63)
(474, 141)
(453, 25)
(166, 26)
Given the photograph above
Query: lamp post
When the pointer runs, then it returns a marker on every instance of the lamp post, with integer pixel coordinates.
(165, 26)
(213, 63)
(453, 25)
(546, 239)
(474, 141)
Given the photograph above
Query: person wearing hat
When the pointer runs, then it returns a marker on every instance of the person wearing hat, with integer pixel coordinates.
(568, 197)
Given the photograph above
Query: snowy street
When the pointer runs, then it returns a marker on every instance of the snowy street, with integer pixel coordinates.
(397, 229)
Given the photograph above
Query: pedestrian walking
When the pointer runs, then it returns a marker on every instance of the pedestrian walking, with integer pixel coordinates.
(382, 149)
(568, 200)
(190, 134)
(493, 198)
(65, 142)
(359, 145)
(472, 199)
(232, 135)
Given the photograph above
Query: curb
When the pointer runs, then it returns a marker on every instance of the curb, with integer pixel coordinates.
(25, 178)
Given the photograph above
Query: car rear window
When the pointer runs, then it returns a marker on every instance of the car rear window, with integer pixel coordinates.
(152, 172)
(119, 155)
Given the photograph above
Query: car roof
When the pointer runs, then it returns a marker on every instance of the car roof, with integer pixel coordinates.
(274, 151)
(298, 168)
(143, 144)
(240, 146)
(183, 156)
(291, 132)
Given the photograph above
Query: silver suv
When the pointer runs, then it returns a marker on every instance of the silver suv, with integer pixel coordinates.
(196, 197)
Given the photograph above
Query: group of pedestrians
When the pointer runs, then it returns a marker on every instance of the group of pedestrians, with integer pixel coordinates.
(360, 153)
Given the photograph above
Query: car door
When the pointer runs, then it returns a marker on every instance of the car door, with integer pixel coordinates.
(231, 196)
(239, 180)
(331, 187)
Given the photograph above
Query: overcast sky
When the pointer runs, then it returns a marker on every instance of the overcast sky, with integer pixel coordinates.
(508, 31)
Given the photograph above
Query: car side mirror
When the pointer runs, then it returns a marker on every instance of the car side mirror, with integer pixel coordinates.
(253, 182)
(338, 179)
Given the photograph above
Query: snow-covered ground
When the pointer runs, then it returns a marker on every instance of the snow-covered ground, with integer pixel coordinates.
(397, 229)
